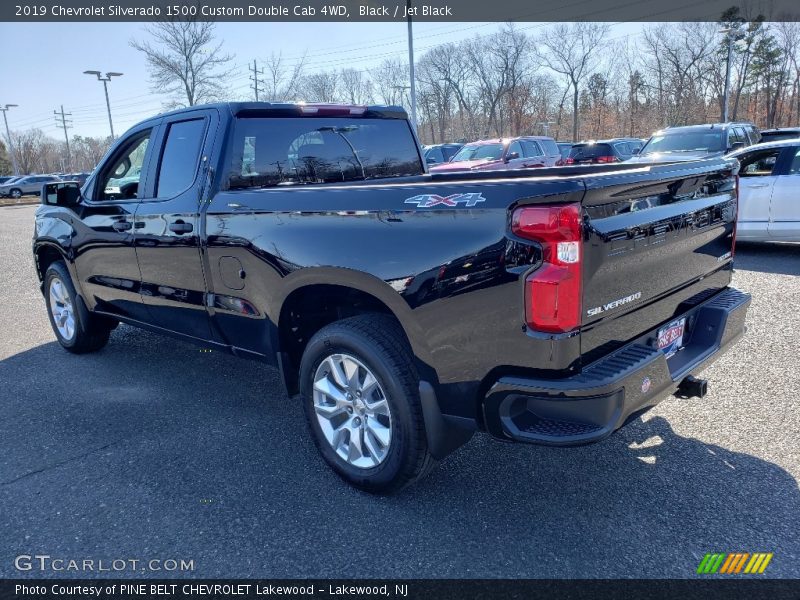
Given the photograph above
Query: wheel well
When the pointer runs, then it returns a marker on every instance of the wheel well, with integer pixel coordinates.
(46, 256)
(309, 309)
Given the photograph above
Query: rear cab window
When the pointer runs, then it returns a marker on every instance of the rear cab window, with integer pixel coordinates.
(274, 151)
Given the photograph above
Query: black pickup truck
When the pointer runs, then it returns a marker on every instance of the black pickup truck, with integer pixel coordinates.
(408, 310)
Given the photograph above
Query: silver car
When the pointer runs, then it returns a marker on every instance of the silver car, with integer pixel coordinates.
(769, 192)
(30, 184)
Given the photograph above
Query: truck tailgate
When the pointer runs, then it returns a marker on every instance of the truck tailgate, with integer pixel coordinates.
(657, 242)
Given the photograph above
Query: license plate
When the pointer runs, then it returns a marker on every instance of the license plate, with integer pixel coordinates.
(670, 338)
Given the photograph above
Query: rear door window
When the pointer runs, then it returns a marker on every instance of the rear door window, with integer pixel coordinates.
(181, 157)
(532, 149)
(584, 151)
(308, 150)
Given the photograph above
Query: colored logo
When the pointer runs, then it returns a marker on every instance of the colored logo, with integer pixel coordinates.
(737, 563)
(431, 200)
(646, 385)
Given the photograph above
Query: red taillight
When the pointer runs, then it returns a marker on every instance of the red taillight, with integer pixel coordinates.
(606, 159)
(569, 161)
(553, 291)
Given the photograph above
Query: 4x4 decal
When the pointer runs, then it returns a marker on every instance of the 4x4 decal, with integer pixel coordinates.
(431, 200)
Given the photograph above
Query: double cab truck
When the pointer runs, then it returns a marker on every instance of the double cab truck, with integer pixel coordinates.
(405, 310)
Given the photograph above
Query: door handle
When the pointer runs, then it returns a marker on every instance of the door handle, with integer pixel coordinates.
(122, 225)
(180, 227)
(753, 186)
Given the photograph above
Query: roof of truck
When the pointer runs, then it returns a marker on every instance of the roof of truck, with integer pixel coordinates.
(299, 109)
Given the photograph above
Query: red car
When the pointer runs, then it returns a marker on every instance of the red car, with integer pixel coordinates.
(509, 153)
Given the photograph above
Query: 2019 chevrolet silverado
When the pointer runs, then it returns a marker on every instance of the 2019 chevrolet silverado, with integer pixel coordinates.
(408, 309)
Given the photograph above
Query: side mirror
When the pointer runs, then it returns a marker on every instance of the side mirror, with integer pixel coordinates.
(62, 193)
(736, 146)
(430, 160)
(636, 151)
(512, 156)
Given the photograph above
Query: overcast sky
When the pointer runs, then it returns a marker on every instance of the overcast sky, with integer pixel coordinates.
(43, 63)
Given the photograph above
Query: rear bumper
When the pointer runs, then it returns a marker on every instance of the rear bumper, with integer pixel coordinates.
(590, 406)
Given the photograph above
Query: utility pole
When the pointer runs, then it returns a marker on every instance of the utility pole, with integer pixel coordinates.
(62, 121)
(254, 77)
(105, 81)
(8, 135)
(411, 67)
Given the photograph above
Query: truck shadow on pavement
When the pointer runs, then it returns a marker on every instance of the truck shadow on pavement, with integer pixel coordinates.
(781, 259)
(153, 447)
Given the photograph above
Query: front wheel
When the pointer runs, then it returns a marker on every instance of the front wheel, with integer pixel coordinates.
(16, 194)
(360, 394)
(74, 331)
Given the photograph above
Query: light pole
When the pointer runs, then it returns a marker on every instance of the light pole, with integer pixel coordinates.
(8, 134)
(726, 98)
(105, 81)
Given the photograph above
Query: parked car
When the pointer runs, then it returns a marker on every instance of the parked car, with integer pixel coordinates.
(769, 202)
(564, 148)
(79, 177)
(781, 133)
(509, 153)
(7, 179)
(441, 153)
(30, 184)
(601, 151)
(556, 318)
(697, 141)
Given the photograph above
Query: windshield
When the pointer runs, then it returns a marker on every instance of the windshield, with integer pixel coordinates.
(685, 141)
(479, 152)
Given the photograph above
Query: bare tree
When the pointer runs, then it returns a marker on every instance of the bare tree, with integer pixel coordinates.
(185, 61)
(281, 80)
(573, 51)
(321, 87)
(356, 87)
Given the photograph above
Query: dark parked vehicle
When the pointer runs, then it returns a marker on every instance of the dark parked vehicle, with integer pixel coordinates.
(697, 142)
(409, 309)
(564, 148)
(441, 153)
(28, 185)
(79, 177)
(779, 134)
(7, 179)
(601, 151)
(509, 153)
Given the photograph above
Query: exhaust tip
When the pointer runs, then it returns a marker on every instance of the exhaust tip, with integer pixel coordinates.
(692, 387)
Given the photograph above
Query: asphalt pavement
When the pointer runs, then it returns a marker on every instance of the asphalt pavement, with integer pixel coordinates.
(154, 450)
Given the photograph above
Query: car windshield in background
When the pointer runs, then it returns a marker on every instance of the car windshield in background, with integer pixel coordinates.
(581, 151)
(307, 150)
(479, 152)
(685, 141)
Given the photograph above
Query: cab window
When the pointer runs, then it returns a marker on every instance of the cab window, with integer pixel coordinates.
(120, 179)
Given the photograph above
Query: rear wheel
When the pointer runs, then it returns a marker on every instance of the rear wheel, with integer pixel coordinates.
(361, 399)
(74, 332)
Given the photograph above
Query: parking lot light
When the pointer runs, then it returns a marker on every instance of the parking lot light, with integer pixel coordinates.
(105, 81)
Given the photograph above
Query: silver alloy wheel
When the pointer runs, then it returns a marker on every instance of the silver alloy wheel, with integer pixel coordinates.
(61, 309)
(16, 194)
(352, 411)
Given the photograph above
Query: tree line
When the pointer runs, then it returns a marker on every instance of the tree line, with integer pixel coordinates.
(572, 81)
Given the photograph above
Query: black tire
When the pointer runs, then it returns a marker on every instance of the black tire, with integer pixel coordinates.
(378, 342)
(90, 334)
(15, 193)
